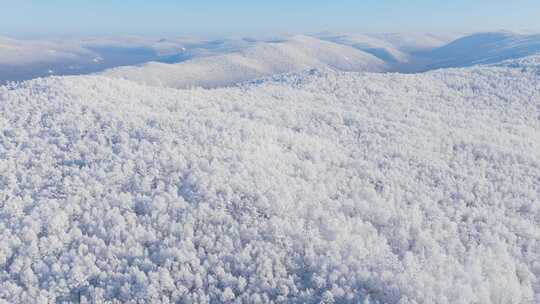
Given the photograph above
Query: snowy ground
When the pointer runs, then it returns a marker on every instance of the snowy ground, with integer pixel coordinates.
(309, 187)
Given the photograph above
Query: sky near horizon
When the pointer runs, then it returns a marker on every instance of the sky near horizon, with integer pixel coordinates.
(213, 17)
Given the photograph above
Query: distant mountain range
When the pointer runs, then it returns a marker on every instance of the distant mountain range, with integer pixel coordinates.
(184, 62)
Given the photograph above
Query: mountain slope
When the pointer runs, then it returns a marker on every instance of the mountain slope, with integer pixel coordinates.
(263, 59)
(305, 188)
(414, 42)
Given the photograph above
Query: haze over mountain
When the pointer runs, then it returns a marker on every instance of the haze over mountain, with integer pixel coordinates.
(26, 59)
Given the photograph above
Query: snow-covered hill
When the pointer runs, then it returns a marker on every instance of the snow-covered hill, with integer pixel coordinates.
(264, 59)
(526, 64)
(482, 48)
(311, 187)
(375, 46)
(211, 62)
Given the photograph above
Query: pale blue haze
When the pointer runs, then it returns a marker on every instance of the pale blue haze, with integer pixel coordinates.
(66, 17)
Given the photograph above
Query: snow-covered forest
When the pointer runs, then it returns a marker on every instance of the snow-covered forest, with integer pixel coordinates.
(311, 177)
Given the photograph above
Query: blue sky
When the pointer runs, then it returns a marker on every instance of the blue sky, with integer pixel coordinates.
(76, 17)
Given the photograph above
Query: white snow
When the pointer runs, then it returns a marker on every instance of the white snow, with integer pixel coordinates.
(311, 187)
(529, 63)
